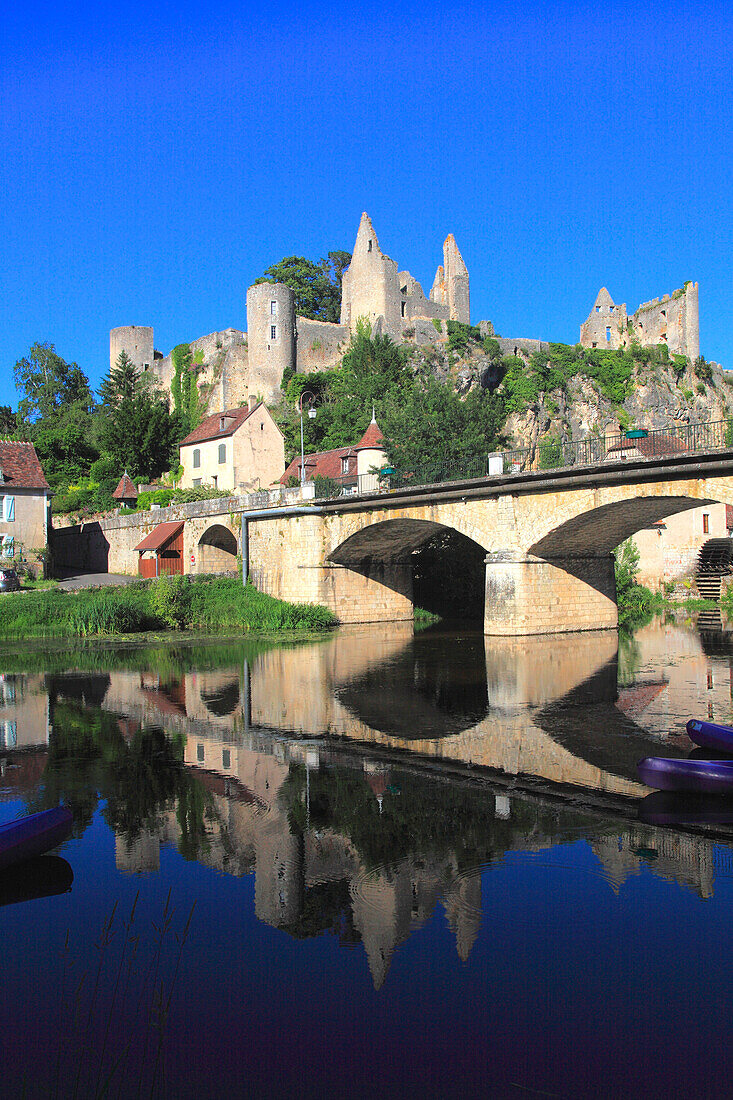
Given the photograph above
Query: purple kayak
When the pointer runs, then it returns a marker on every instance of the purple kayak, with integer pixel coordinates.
(33, 835)
(673, 774)
(680, 808)
(710, 736)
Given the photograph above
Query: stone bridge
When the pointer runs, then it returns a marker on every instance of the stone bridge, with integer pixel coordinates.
(544, 541)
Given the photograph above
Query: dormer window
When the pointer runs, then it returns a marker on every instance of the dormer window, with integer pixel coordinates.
(344, 465)
(222, 423)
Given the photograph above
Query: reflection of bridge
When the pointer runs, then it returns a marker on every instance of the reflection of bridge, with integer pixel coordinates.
(544, 540)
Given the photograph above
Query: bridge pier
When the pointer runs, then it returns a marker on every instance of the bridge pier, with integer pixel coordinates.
(528, 595)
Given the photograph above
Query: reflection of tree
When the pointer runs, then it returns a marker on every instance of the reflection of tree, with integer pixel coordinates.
(140, 778)
(629, 658)
(326, 908)
(419, 818)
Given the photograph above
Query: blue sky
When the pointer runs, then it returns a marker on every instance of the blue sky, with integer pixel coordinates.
(156, 158)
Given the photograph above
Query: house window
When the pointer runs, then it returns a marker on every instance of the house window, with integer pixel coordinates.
(598, 309)
(273, 309)
(402, 306)
(664, 313)
(369, 247)
(215, 481)
(226, 758)
(196, 482)
(7, 511)
(196, 459)
(612, 308)
(705, 523)
(200, 753)
(344, 465)
(222, 453)
(608, 333)
(273, 332)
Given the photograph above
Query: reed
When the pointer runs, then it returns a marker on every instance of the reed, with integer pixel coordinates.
(218, 605)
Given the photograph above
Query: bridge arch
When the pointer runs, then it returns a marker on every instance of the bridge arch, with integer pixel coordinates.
(217, 550)
(599, 530)
(446, 570)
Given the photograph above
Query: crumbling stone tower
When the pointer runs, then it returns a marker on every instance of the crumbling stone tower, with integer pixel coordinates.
(391, 300)
(370, 286)
(136, 341)
(450, 286)
(270, 333)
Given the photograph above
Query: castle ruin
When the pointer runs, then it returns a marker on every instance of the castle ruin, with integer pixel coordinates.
(672, 320)
(234, 365)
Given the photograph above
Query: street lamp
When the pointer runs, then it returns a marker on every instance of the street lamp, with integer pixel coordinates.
(311, 416)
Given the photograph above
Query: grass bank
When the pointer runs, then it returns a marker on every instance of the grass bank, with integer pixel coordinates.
(171, 603)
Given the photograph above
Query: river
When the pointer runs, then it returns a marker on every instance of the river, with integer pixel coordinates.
(381, 863)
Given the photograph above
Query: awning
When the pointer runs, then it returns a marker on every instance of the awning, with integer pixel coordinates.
(162, 534)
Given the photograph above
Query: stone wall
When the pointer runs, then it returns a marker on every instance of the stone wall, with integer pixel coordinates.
(672, 320)
(320, 345)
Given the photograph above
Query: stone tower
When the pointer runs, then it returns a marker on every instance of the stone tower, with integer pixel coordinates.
(270, 333)
(450, 286)
(136, 341)
(371, 286)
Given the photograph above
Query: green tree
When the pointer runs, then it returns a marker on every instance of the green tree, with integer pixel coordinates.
(431, 425)
(8, 423)
(317, 286)
(138, 432)
(48, 384)
(55, 413)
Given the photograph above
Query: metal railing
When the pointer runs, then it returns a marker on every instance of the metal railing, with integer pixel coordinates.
(549, 453)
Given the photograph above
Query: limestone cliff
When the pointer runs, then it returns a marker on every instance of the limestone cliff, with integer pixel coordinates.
(571, 393)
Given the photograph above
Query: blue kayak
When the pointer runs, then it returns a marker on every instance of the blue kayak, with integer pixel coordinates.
(33, 835)
(700, 776)
(710, 736)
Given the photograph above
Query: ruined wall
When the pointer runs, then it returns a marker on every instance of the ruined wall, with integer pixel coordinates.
(672, 320)
(224, 379)
(320, 345)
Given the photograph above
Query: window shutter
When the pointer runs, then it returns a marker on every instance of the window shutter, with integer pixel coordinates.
(9, 508)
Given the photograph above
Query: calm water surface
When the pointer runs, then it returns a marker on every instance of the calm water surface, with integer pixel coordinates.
(379, 864)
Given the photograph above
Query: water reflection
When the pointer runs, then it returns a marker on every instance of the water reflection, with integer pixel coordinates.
(369, 779)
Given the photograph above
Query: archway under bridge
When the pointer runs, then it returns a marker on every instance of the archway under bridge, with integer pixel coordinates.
(217, 550)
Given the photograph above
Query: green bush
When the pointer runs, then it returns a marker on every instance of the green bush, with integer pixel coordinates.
(171, 601)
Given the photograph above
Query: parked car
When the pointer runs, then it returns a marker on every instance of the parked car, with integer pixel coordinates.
(9, 581)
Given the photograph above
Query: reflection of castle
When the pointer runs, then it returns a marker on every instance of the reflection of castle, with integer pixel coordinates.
(250, 832)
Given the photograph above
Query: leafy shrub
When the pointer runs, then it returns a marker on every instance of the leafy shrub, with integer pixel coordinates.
(171, 601)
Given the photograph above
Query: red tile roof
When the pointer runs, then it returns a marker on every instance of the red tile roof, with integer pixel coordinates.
(211, 428)
(125, 490)
(20, 467)
(657, 444)
(157, 538)
(323, 464)
(372, 437)
(330, 463)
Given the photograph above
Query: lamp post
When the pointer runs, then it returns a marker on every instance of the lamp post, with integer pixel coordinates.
(311, 416)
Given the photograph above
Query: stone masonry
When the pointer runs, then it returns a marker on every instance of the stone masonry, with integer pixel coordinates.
(672, 320)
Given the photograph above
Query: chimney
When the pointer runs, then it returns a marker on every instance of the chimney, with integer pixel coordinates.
(252, 402)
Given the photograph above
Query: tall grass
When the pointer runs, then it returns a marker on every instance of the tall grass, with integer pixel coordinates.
(171, 603)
